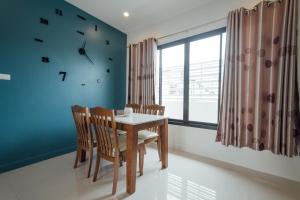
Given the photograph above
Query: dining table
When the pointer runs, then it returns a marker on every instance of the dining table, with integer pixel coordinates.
(132, 124)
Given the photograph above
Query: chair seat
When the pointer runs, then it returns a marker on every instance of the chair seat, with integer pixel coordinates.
(145, 135)
(122, 142)
(119, 132)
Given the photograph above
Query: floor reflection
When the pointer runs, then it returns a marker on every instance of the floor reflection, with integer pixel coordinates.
(185, 179)
(180, 188)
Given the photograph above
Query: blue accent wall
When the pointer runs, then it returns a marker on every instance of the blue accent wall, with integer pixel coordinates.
(35, 106)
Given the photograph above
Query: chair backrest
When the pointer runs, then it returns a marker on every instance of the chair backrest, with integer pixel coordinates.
(154, 109)
(137, 108)
(104, 124)
(83, 126)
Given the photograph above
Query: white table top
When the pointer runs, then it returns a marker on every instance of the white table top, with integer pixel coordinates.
(135, 118)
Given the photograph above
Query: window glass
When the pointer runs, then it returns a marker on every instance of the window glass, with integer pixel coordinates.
(173, 81)
(204, 79)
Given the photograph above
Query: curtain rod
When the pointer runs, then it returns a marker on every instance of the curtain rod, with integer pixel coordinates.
(190, 29)
(201, 25)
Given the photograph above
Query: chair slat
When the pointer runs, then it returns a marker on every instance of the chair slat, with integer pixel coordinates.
(137, 108)
(154, 110)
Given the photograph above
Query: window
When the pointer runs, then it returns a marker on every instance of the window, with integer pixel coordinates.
(190, 76)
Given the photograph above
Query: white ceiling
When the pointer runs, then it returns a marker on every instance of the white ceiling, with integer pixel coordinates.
(143, 13)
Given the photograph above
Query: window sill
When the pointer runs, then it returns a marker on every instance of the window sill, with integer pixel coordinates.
(193, 124)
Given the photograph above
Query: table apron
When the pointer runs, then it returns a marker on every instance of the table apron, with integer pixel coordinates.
(143, 126)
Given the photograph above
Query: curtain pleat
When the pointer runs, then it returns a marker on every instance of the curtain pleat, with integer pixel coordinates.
(142, 58)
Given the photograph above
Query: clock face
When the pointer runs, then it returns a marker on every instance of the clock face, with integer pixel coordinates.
(82, 49)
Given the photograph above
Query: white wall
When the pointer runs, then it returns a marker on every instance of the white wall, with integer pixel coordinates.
(217, 10)
(202, 141)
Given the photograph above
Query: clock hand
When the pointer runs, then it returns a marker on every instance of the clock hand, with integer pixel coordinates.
(84, 43)
(89, 58)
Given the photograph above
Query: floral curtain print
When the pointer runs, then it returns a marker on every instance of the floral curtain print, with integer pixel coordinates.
(142, 58)
(259, 106)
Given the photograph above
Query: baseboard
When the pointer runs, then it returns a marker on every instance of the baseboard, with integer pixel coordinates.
(251, 173)
(21, 163)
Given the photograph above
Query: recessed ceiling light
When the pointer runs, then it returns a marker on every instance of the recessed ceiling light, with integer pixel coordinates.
(126, 14)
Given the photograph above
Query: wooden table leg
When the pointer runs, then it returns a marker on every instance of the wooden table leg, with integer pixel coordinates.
(164, 144)
(131, 158)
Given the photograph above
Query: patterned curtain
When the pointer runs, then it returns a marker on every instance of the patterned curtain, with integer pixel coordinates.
(259, 106)
(142, 58)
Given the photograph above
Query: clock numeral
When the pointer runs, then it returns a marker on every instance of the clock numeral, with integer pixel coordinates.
(44, 21)
(64, 75)
(59, 12)
(110, 59)
(107, 42)
(80, 32)
(45, 60)
(108, 70)
(38, 40)
(81, 17)
(96, 28)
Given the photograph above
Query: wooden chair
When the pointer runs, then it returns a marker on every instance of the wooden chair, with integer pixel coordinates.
(152, 134)
(137, 108)
(110, 144)
(85, 141)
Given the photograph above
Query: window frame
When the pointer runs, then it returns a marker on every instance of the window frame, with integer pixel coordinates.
(186, 42)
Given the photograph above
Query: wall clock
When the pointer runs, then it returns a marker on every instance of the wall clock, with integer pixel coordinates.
(82, 50)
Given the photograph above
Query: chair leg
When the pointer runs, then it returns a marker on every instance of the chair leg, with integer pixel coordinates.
(82, 156)
(116, 168)
(159, 148)
(121, 160)
(141, 160)
(89, 166)
(77, 158)
(145, 151)
(97, 168)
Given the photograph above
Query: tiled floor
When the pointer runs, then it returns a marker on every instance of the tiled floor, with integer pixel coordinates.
(185, 178)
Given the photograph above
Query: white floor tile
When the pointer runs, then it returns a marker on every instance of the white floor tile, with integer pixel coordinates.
(185, 179)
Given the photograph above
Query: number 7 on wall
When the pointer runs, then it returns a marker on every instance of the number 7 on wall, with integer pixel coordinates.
(64, 75)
